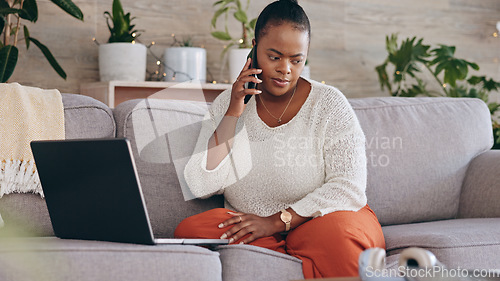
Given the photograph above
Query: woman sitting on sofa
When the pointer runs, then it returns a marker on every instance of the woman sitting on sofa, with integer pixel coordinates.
(291, 160)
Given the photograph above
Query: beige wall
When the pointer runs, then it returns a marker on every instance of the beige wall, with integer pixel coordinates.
(348, 36)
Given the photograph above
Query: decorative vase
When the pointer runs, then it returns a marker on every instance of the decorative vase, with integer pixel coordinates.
(237, 59)
(185, 64)
(122, 61)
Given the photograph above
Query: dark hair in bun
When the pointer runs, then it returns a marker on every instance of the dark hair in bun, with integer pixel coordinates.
(279, 12)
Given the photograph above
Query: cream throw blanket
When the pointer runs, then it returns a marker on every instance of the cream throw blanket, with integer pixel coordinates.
(26, 114)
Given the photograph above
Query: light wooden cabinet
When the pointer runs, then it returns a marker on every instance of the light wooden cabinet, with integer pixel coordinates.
(113, 93)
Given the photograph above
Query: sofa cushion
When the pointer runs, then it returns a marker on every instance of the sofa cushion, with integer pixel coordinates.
(163, 134)
(265, 264)
(84, 117)
(418, 150)
(51, 258)
(456, 243)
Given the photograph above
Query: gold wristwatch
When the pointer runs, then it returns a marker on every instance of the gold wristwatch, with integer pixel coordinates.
(286, 218)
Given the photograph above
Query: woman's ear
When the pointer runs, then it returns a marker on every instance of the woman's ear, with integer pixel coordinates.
(254, 42)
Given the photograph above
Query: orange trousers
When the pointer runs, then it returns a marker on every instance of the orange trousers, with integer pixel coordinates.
(329, 246)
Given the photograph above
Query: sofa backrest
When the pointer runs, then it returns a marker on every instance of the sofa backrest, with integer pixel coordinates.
(418, 150)
(85, 117)
(163, 135)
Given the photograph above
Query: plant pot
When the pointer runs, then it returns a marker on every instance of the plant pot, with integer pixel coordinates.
(237, 59)
(122, 61)
(185, 64)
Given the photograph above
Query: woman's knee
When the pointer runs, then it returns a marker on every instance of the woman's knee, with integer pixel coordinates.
(203, 225)
(185, 229)
(333, 243)
(342, 230)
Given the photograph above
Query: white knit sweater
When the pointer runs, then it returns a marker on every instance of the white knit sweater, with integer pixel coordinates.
(315, 163)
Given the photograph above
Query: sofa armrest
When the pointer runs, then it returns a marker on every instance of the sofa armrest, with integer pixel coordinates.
(481, 187)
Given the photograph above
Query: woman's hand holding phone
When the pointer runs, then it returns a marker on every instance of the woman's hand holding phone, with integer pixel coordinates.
(237, 104)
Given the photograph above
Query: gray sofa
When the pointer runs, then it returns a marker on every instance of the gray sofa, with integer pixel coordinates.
(431, 181)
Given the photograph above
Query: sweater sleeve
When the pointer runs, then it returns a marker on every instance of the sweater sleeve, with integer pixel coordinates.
(204, 183)
(345, 166)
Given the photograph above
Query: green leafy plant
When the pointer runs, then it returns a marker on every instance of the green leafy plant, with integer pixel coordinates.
(12, 12)
(122, 29)
(412, 58)
(234, 7)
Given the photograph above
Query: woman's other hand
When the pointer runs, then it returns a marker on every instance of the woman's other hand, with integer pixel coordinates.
(257, 227)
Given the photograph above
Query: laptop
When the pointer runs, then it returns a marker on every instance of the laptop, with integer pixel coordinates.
(92, 191)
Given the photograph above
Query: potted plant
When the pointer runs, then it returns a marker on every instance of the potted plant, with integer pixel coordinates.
(237, 57)
(122, 58)
(185, 62)
(11, 14)
(450, 74)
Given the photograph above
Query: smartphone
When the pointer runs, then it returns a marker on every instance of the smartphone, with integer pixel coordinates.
(252, 85)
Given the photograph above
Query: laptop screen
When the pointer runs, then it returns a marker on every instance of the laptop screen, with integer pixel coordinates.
(92, 190)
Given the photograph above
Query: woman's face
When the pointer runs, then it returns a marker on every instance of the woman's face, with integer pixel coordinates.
(281, 54)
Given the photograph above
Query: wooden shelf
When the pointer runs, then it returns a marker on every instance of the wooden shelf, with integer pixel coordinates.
(113, 93)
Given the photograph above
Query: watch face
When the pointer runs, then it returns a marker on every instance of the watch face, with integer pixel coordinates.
(286, 216)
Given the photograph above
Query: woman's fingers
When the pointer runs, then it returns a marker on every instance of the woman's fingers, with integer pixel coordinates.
(248, 240)
(252, 92)
(236, 221)
(236, 232)
(249, 78)
(247, 72)
(238, 92)
(237, 218)
(250, 72)
(238, 235)
(246, 225)
(244, 91)
(246, 66)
